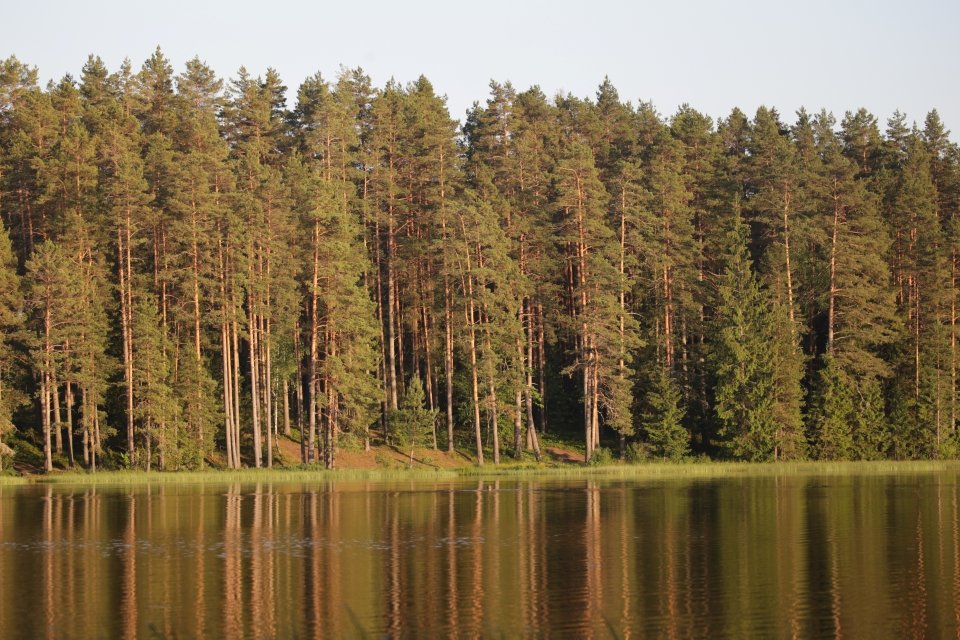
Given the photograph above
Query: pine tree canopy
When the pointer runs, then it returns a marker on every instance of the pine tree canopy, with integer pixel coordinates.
(198, 271)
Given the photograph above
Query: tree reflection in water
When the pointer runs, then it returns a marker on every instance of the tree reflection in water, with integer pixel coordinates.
(853, 556)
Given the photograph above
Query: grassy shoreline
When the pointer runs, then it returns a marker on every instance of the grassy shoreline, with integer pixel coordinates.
(648, 471)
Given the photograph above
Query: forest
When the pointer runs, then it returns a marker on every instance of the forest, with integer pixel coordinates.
(193, 268)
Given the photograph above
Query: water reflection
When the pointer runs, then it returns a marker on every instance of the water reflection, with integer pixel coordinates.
(869, 556)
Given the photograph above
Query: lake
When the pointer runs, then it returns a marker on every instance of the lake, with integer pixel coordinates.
(796, 556)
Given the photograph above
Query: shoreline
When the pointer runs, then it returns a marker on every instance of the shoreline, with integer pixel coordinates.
(643, 471)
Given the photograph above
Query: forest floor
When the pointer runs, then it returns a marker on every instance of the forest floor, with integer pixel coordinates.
(392, 457)
(386, 462)
(351, 462)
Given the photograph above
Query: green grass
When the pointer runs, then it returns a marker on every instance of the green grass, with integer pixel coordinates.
(734, 469)
(510, 468)
(247, 476)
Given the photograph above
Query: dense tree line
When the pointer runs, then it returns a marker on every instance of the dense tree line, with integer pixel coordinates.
(192, 270)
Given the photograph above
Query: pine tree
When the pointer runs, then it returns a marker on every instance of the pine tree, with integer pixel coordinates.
(52, 306)
(196, 202)
(386, 142)
(592, 287)
(16, 79)
(557, 256)
(26, 140)
(922, 387)
(326, 120)
(629, 201)
(124, 194)
(860, 303)
(667, 240)
(351, 339)
(705, 169)
(776, 196)
(22, 108)
(258, 121)
(489, 299)
(505, 167)
(668, 276)
(86, 367)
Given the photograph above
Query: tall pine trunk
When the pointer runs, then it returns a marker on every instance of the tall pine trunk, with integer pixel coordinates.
(831, 307)
(313, 372)
(126, 309)
(474, 378)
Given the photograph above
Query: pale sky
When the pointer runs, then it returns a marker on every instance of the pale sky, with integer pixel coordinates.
(714, 55)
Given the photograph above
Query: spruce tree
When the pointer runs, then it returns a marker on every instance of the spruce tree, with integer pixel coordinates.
(413, 422)
(11, 309)
(745, 397)
(663, 418)
(833, 414)
(156, 408)
(922, 363)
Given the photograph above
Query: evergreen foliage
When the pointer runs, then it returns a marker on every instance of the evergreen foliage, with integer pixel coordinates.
(191, 271)
(413, 423)
(745, 402)
(663, 419)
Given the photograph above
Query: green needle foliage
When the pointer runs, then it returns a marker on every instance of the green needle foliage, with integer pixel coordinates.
(663, 420)
(745, 392)
(198, 272)
(413, 423)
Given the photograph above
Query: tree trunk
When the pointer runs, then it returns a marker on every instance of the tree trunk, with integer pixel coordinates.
(622, 286)
(45, 387)
(228, 418)
(68, 392)
(953, 341)
(299, 394)
(385, 376)
(97, 445)
(532, 440)
(474, 381)
(286, 409)
(448, 358)
(332, 408)
(494, 419)
(314, 346)
(518, 397)
(542, 368)
(45, 417)
(431, 402)
(57, 423)
(586, 347)
(786, 251)
(254, 383)
(268, 393)
(235, 387)
(595, 401)
(126, 309)
(833, 274)
(195, 265)
(391, 316)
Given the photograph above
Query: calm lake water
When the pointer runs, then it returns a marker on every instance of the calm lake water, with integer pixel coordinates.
(793, 557)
